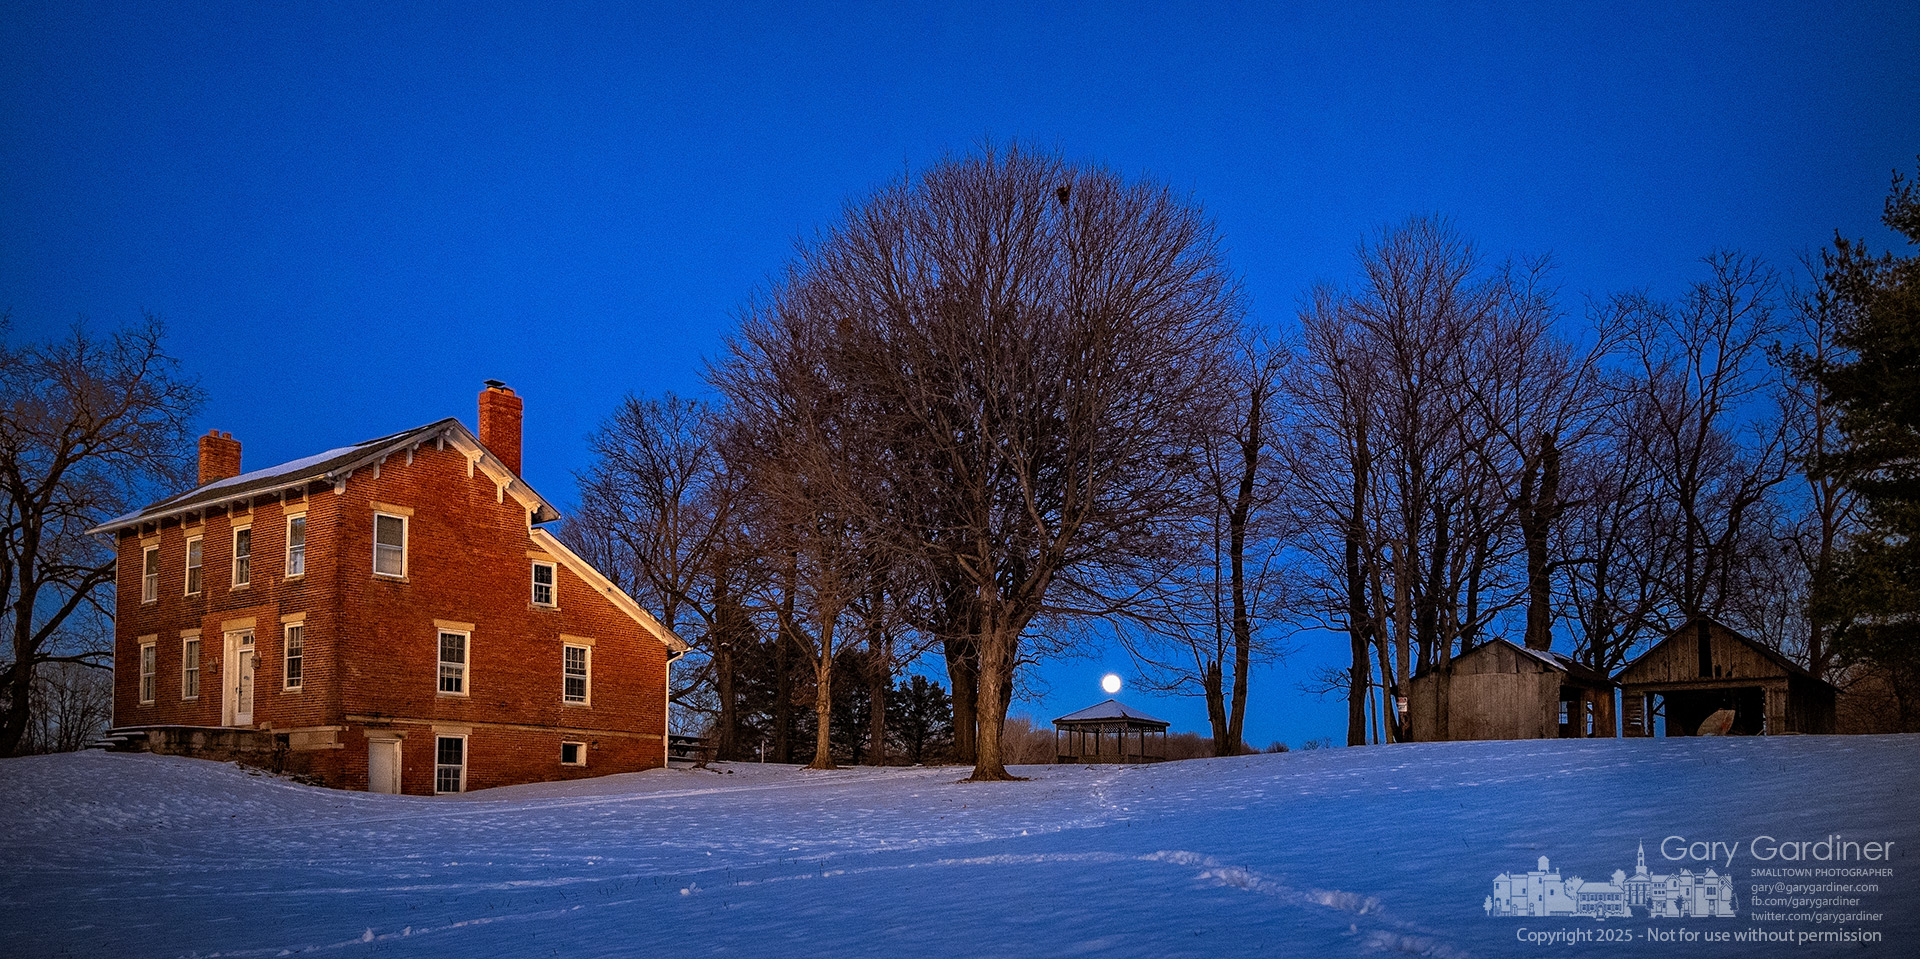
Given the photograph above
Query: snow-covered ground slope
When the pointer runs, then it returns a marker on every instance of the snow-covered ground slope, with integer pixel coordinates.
(1333, 852)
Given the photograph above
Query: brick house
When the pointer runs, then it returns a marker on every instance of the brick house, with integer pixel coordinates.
(386, 616)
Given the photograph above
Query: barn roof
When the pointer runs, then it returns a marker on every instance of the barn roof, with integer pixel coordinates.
(1545, 657)
(1773, 656)
(1110, 710)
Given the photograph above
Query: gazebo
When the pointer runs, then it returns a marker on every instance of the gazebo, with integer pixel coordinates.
(1109, 733)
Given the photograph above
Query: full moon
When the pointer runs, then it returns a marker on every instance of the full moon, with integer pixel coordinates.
(1110, 682)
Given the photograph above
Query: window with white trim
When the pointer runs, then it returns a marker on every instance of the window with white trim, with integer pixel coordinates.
(190, 667)
(453, 663)
(150, 574)
(296, 545)
(194, 554)
(576, 667)
(543, 583)
(295, 655)
(389, 545)
(449, 764)
(573, 754)
(242, 556)
(149, 664)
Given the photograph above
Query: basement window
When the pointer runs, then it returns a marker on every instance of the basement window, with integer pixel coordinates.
(573, 754)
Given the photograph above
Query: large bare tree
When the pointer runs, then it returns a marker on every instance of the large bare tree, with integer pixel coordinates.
(90, 426)
(1027, 347)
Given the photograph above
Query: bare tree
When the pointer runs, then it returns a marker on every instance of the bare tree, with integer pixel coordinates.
(89, 426)
(1030, 345)
(1716, 449)
(813, 478)
(1831, 508)
(1230, 583)
(657, 511)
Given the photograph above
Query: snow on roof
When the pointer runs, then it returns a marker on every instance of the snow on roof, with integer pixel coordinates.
(1111, 709)
(330, 465)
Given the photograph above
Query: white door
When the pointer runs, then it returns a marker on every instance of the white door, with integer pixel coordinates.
(243, 678)
(383, 766)
(237, 691)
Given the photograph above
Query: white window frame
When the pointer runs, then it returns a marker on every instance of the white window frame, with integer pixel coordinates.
(190, 654)
(439, 767)
(377, 545)
(552, 584)
(242, 562)
(293, 649)
(582, 747)
(464, 676)
(150, 574)
(585, 676)
(195, 570)
(149, 670)
(296, 553)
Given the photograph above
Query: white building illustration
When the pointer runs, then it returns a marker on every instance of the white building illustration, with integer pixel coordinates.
(1543, 892)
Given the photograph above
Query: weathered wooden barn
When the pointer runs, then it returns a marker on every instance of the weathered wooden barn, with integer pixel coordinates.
(1704, 667)
(1500, 690)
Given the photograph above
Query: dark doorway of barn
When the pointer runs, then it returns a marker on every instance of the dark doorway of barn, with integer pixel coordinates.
(1685, 710)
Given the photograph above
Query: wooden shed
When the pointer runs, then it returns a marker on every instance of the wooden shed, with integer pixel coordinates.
(1110, 732)
(1500, 690)
(1704, 667)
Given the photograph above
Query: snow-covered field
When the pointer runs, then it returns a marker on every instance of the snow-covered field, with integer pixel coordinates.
(1331, 852)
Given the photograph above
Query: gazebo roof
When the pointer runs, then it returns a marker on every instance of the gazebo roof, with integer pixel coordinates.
(1110, 711)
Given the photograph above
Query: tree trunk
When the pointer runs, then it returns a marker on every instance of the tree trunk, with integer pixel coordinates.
(1539, 508)
(879, 677)
(13, 723)
(823, 705)
(1214, 688)
(1358, 620)
(963, 672)
(996, 661)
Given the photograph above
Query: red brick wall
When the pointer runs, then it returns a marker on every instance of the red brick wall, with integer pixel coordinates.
(267, 599)
(371, 643)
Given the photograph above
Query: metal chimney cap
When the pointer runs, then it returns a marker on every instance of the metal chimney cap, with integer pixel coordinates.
(494, 384)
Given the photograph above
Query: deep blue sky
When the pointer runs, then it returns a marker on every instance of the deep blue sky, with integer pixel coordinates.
(350, 214)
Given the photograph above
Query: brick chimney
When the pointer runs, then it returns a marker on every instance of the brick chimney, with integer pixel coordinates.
(500, 423)
(219, 457)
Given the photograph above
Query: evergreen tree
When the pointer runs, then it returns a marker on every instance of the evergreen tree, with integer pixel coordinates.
(1872, 599)
(920, 717)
